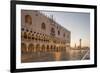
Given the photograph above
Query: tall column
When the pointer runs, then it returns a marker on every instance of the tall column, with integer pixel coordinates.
(80, 43)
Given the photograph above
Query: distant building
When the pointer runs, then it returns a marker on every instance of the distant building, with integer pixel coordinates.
(41, 33)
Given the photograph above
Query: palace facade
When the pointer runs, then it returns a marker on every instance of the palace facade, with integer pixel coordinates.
(40, 33)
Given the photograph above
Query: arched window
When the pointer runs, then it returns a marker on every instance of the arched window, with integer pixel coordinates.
(23, 47)
(28, 19)
(58, 32)
(32, 36)
(64, 35)
(25, 35)
(52, 31)
(30, 48)
(29, 35)
(43, 26)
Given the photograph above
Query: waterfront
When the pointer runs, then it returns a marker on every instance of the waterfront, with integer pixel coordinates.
(72, 54)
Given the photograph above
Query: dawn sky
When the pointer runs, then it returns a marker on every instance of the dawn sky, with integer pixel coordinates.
(77, 23)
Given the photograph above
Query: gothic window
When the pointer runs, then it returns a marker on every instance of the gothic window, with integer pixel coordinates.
(28, 19)
(64, 35)
(43, 26)
(33, 36)
(58, 32)
(25, 35)
(52, 31)
(29, 35)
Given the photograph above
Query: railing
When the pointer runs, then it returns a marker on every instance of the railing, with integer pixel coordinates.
(86, 54)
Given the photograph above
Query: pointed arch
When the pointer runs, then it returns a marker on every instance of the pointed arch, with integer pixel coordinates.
(30, 47)
(28, 19)
(43, 48)
(23, 48)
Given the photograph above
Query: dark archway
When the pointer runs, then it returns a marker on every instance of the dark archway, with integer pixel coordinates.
(43, 48)
(37, 47)
(23, 48)
(30, 48)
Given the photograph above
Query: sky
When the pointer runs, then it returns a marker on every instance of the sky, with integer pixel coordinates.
(77, 23)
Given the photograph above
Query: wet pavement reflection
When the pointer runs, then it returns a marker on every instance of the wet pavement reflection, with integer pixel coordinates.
(55, 56)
